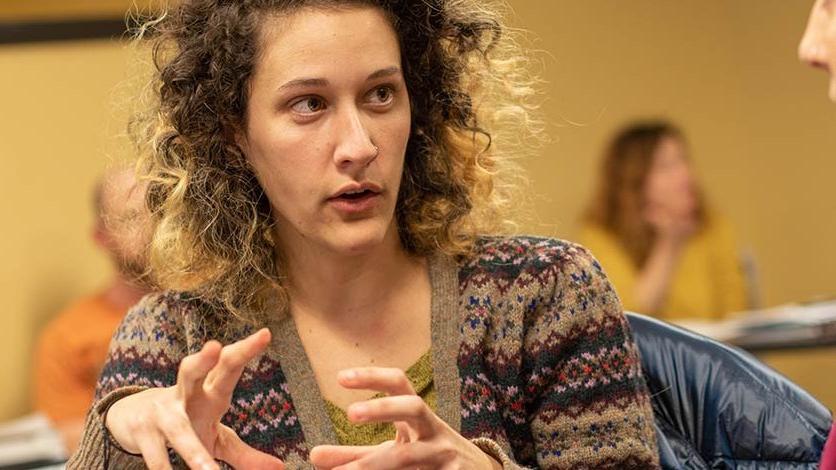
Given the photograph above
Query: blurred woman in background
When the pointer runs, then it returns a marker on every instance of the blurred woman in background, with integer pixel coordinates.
(664, 251)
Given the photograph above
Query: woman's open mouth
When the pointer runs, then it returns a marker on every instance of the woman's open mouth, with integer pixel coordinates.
(355, 202)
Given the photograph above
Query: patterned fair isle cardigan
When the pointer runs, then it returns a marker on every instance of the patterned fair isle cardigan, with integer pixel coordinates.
(532, 359)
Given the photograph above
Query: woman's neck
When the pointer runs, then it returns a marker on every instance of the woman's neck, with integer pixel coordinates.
(357, 288)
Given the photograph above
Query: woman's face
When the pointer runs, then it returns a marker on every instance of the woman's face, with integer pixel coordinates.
(327, 127)
(670, 182)
(818, 46)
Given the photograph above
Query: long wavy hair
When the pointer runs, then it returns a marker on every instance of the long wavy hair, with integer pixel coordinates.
(619, 202)
(473, 112)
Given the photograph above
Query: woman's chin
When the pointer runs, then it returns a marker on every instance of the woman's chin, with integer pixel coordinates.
(357, 241)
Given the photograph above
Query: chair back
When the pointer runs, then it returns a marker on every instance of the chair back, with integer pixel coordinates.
(718, 407)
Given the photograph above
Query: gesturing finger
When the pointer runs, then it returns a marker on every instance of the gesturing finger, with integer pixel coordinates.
(223, 378)
(152, 448)
(232, 450)
(328, 456)
(389, 380)
(398, 457)
(408, 408)
(195, 367)
(183, 439)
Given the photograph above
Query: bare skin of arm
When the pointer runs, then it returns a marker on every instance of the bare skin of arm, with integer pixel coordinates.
(654, 279)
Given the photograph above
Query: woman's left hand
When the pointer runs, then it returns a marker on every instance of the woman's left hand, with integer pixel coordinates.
(423, 440)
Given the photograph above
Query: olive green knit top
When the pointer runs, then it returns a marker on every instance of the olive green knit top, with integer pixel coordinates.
(420, 375)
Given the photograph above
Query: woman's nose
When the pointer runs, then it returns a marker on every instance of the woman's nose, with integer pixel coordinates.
(811, 49)
(811, 53)
(354, 146)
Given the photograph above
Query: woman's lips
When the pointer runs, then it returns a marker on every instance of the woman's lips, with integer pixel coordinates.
(354, 205)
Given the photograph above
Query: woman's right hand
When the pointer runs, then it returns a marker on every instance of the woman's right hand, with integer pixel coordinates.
(187, 416)
(674, 225)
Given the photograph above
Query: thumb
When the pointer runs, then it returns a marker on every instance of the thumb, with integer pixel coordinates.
(232, 450)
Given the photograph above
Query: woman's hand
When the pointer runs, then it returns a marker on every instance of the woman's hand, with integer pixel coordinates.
(673, 226)
(423, 439)
(187, 416)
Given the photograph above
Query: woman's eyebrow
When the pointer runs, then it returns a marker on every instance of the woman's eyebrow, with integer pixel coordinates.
(303, 82)
(387, 72)
(312, 82)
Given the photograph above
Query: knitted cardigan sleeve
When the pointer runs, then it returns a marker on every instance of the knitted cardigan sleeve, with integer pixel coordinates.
(589, 404)
(145, 352)
(562, 368)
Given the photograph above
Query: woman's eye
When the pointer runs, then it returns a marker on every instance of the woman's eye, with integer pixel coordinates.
(308, 105)
(382, 94)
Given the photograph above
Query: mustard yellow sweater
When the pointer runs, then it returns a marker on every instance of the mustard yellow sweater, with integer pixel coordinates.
(708, 280)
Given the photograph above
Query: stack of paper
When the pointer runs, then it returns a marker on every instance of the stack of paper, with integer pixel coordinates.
(792, 325)
(30, 442)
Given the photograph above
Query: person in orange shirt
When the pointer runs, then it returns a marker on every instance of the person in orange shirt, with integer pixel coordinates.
(72, 348)
(666, 254)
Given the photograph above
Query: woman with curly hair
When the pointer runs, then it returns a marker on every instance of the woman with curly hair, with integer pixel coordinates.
(322, 175)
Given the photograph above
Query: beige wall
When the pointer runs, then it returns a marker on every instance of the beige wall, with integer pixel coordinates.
(763, 134)
(762, 131)
(29, 10)
(57, 131)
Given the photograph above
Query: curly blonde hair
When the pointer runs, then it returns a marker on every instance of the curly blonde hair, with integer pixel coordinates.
(471, 92)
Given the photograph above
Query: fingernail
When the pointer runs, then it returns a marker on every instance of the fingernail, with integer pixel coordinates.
(204, 465)
(358, 411)
(348, 374)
